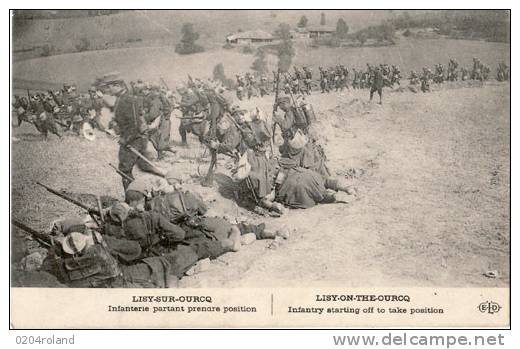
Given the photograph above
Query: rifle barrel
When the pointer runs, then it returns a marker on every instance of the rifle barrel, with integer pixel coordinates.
(69, 199)
(42, 238)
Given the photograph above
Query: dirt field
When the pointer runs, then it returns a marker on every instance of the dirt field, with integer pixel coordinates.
(432, 170)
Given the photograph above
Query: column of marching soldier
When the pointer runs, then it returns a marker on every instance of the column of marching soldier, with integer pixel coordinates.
(161, 231)
(56, 111)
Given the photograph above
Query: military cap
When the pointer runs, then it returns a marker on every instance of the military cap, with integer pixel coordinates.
(74, 243)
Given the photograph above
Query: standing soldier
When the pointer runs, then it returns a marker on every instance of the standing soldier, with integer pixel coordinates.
(396, 75)
(414, 78)
(376, 84)
(264, 86)
(425, 79)
(308, 79)
(476, 73)
(324, 84)
(158, 118)
(129, 114)
(452, 70)
(189, 106)
(502, 72)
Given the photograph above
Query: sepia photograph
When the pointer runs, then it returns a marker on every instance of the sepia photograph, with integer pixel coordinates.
(262, 150)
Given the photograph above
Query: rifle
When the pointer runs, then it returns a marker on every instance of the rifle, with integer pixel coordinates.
(124, 175)
(42, 238)
(164, 83)
(91, 211)
(157, 170)
(275, 106)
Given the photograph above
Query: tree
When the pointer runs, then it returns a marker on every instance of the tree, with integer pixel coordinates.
(218, 72)
(322, 19)
(187, 44)
(285, 49)
(260, 63)
(341, 29)
(220, 75)
(362, 37)
(302, 23)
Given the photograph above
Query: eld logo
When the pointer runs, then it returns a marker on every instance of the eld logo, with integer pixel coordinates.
(489, 307)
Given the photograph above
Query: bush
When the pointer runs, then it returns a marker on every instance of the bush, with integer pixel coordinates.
(248, 50)
(184, 49)
(187, 45)
(227, 46)
(220, 75)
(47, 50)
(134, 40)
(83, 45)
(407, 33)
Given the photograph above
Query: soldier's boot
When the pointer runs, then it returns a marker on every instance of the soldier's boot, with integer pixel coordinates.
(342, 185)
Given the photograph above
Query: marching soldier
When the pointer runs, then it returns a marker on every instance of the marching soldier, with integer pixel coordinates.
(425, 79)
(376, 84)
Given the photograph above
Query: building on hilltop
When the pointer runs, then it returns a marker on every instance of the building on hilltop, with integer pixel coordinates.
(321, 31)
(250, 37)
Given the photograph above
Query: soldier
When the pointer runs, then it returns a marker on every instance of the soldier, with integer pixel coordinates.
(190, 106)
(129, 114)
(264, 86)
(425, 80)
(241, 86)
(82, 258)
(395, 75)
(284, 182)
(476, 73)
(502, 72)
(43, 121)
(292, 120)
(376, 84)
(324, 83)
(158, 119)
(414, 78)
(439, 73)
(452, 70)
(308, 79)
(21, 107)
(485, 72)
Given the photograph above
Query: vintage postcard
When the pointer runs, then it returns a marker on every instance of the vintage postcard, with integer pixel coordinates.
(260, 168)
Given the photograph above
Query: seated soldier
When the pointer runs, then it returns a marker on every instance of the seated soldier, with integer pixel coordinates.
(307, 154)
(294, 187)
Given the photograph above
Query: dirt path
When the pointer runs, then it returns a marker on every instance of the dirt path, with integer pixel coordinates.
(433, 207)
(432, 171)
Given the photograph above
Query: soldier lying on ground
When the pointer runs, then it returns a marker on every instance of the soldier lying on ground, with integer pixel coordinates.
(82, 257)
(161, 215)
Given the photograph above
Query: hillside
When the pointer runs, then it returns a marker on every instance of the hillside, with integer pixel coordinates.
(162, 28)
(432, 171)
(153, 63)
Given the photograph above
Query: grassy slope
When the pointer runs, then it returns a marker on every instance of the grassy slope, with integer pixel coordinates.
(165, 26)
